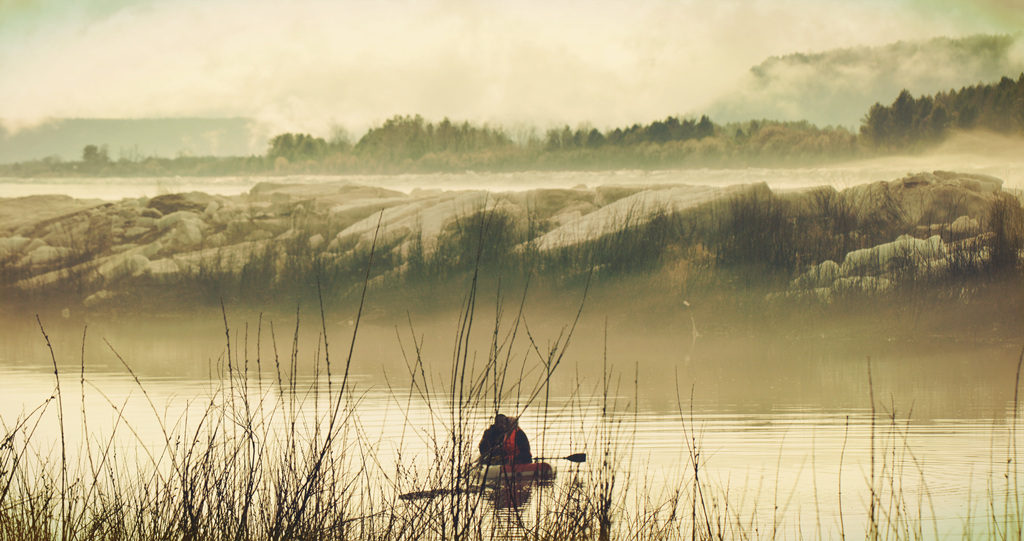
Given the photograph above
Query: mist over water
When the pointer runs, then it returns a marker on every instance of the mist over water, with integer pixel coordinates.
(998, 157)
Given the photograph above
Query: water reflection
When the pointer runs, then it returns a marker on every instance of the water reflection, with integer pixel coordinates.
(510, 495)
(510, 507)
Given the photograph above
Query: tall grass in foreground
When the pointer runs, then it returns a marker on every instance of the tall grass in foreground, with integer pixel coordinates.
(290, 459)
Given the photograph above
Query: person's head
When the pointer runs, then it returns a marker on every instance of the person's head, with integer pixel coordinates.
(501, 420)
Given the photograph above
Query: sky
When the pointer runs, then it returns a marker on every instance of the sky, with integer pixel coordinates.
(311, 65)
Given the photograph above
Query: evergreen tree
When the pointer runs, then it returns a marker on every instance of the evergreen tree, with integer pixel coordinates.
(705, 128)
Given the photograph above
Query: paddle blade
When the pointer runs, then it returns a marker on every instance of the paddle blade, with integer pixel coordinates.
(424, 494)
(578, 457)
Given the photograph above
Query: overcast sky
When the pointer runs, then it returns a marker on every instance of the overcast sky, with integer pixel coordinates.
(309, 64)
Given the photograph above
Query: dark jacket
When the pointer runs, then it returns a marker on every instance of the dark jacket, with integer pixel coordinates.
(499, 446)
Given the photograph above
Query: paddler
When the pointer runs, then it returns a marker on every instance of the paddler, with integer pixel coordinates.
(505, 443)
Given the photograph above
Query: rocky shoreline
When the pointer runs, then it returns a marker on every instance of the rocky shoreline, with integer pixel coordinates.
(937, 218)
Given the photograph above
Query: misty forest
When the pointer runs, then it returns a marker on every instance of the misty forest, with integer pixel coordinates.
(405, 144)
(756, 328)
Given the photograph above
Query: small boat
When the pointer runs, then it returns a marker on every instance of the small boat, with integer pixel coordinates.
(519, 472)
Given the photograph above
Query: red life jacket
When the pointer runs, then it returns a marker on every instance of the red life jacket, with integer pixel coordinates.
(510, 447)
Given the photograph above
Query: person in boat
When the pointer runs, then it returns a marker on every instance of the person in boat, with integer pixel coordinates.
(505, 443)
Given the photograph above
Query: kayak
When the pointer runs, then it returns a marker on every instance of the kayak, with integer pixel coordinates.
(491, 476)
(524, 472)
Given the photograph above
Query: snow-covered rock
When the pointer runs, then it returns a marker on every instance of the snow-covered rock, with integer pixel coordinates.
(45, 255)
(12, 245)
(137, 231)
(259, 235)
(127, 264)
(905, 250)
(136, 263)
(635, 210)
(925, 198)
(818, 276)
(41, 208)
(162, 270)
(964, 226)
(291, 234)
(122, 248)
(151, 249)
(33, 245)
(168, 235)
(228, 259)
(868, 284)
(216, 240)
(98, 298)
(175, 218)
(188, 234)
(427, 217)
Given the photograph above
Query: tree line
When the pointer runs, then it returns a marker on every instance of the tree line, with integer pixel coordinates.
(413, 144)
(410, 142)
(913, 121)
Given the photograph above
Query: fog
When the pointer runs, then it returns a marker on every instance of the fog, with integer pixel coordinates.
(737, 362)
(781, 384)
(837, 87)
(977, 152)
(309, 65)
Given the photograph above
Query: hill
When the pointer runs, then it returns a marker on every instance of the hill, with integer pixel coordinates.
(836, 87)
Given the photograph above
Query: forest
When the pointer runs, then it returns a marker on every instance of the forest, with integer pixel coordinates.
(412, 144)
(911, 122)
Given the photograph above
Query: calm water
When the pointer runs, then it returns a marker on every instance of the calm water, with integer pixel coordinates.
(783, 427)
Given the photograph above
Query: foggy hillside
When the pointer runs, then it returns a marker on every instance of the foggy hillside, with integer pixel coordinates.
(835, 87)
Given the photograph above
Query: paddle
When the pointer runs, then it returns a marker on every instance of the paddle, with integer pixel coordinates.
(419, 495)
(577, 458)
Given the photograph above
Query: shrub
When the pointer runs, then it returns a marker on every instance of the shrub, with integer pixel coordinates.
(1006, 223)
